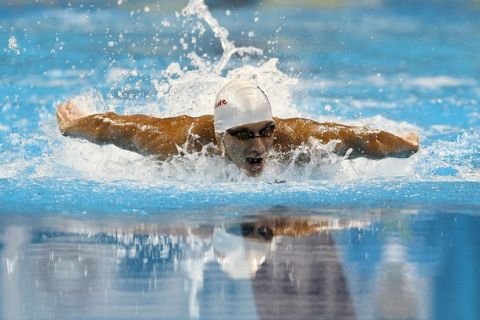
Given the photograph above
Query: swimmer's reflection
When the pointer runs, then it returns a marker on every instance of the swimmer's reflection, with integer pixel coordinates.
(278, 267)
(293, 263)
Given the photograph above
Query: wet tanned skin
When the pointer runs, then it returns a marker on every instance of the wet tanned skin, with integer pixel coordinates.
(161, 137)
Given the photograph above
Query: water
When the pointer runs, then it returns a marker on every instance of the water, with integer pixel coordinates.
(342, 264)
(97, 232)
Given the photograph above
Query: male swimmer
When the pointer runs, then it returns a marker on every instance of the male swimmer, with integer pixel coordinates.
(242, 129)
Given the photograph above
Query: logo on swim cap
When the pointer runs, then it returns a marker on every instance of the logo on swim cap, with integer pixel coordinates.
(247, 103)
(221, 103)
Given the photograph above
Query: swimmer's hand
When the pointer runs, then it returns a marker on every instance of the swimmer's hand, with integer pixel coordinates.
(383, 144)
(67, 115)
(377, 144)
(413, 139)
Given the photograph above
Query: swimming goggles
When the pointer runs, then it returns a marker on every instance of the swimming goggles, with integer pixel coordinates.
(246, 134)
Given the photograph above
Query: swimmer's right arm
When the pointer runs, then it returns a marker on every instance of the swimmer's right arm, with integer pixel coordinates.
(137, 133)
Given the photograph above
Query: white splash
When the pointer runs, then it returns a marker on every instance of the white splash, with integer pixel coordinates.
(191, 91)
(13, 45)
(199, 9)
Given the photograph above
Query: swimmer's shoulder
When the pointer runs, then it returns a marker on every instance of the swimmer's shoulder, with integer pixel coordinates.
(176, 131)
(302, 123)
(293, 132)
(204, 122)
(201, 120)
(202, 127)
(178, 127)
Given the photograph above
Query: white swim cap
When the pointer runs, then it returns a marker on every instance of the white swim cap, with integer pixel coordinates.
(238, 256)
(240, 102)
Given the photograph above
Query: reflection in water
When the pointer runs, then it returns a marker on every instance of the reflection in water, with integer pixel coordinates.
(262, 267)
(399, 287)
(302, 278)
(12, 242)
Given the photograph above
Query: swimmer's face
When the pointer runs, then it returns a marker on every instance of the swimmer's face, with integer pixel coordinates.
(249, 145)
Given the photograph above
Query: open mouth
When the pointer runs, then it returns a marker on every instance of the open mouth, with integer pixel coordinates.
(254, 162)
(254, 165)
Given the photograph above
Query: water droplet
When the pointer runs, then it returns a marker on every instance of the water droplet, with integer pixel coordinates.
(13, 45)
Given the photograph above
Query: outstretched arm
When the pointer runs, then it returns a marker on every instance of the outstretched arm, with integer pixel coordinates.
(354, 141)
(104, 128)
(376, 144)
(138, 133)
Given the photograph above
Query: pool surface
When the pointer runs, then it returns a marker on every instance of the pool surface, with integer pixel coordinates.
(95, 232)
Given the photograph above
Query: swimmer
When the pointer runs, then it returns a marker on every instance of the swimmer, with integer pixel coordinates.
(242, 129)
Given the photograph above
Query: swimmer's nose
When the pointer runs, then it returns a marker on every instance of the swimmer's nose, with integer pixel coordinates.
(257, 148)
(256, 152)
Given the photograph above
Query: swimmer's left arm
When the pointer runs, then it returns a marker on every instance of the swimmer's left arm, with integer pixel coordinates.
(376, 144)
(352, 141)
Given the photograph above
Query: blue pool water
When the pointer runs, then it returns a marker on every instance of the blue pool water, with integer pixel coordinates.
(97, 232)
